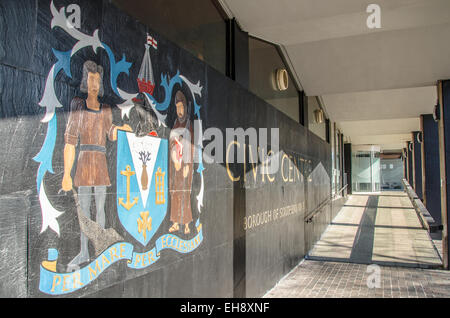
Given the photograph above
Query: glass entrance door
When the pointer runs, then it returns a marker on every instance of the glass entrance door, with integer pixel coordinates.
(366, 169)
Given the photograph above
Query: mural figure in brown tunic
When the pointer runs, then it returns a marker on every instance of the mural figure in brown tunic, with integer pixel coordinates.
(181, 149)
(89, 123)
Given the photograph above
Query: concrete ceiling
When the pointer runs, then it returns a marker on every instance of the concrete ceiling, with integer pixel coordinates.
(383, 104)
(383, 117)
(361, 74)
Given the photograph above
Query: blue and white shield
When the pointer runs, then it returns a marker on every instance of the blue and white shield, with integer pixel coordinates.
(142, 190)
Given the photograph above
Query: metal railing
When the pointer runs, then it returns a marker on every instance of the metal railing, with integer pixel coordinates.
(309, 217)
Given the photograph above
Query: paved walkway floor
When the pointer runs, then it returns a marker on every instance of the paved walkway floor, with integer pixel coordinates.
(375, 247)
(377, 228)
(320, 279)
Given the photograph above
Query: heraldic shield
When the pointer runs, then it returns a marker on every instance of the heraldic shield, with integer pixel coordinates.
(142, 184)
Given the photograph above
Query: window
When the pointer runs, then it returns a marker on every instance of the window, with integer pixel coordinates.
(196, 25)
(265, 60)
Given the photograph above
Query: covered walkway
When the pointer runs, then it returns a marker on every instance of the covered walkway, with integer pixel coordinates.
(379, 229)
(320, 279)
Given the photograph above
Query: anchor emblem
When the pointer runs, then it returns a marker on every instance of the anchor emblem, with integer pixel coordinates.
(128, 205)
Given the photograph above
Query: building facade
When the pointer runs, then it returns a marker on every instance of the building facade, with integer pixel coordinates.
(108, 187)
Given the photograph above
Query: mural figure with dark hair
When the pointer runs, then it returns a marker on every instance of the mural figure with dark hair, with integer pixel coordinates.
(89, 124)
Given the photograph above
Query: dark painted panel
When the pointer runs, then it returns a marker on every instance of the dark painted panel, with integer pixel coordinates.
(417, 166)
(405, 164)
(348, 166)
(432, 176)
(410, 165)
(445, 117)
(303, 109)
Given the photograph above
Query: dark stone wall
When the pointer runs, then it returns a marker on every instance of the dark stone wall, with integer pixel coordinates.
(13, 245)
(253, 228)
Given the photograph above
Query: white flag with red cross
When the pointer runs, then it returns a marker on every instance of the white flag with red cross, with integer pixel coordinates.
(151, 41)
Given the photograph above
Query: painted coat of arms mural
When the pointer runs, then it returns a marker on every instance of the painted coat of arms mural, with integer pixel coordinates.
(154, 171)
